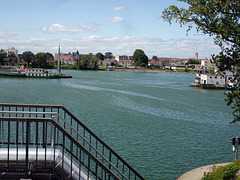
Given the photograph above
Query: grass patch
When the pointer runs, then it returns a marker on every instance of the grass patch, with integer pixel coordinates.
(101, 68)
(224, 173)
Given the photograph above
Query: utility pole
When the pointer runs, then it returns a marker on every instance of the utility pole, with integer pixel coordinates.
(235, 142)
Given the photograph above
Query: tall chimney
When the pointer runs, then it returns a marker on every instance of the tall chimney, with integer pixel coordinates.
(196, 56)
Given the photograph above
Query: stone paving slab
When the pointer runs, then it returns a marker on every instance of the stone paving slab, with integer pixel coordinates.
(198, 173)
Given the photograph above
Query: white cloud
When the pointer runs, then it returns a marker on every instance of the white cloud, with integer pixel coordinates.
(59, 28)
(118, 8)
(126, 45)
(116, 19)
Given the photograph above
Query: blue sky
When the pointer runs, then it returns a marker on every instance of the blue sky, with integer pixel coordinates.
(91, 26)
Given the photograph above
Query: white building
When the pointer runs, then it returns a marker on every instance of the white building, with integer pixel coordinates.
(11, 51)
(123, 57)
(212, 81)
(207, 64)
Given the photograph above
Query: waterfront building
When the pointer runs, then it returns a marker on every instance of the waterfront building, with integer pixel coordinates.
(127, 63)
(123, 57)
(11, 51)
(76, 56)
(153, 62)
(212, 81)
(205, 66)
(71, 58)
(109, 62)
(66, 59)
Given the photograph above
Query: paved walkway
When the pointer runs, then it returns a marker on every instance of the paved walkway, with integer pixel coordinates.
(198, 173)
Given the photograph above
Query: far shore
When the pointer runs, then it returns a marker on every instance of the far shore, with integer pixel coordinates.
(150, 70)
(6, 68)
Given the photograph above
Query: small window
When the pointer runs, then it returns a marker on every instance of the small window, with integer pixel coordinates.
(210, 77)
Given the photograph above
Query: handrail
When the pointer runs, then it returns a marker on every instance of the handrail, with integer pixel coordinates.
(60, 128)
(55, 113)
(61, 110)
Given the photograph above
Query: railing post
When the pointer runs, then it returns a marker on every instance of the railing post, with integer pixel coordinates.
(27, 148)
(44, 134)
(8, 143)
(52, 135)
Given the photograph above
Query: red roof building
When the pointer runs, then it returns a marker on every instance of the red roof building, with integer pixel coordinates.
(66, 59)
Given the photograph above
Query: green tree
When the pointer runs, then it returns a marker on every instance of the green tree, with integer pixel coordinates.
(12, 58)
(41, 60)
(28, 56)
(220, 19)
(3, 55)
(154, 57)
(140, 58)
(93, 65)
(192, 62)
(87, 63)
(84, 63)
(108, 55)
(50, 60)
(49, 56)
(99, 56)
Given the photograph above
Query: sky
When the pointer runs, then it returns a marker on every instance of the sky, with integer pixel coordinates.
(92, 26)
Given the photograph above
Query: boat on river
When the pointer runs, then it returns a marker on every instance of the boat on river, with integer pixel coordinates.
(24, 72)
(31, 73)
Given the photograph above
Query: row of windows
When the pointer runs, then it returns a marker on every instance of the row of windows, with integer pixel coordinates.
(37, 74)
(35, 70)
(216, 77)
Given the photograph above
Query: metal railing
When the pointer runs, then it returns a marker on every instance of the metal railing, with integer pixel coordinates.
(33, 147)
(76, 129)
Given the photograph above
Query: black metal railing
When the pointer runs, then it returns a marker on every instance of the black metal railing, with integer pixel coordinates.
(76, 129)
(33, 147)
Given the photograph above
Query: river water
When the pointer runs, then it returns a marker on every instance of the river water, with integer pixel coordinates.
(158, 123)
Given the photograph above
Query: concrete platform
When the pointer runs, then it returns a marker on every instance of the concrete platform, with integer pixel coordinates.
(198, 173)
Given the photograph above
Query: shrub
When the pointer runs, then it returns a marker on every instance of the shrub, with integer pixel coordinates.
(223, 173)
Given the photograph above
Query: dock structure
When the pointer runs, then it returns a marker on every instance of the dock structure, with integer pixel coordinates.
(49, 142)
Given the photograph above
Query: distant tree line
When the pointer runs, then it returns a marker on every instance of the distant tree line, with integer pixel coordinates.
(40, 60)
(46, 60)
(192, 62)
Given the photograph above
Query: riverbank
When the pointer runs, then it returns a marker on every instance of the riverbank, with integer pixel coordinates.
(149, 70)
(198, 173)
(121, 69)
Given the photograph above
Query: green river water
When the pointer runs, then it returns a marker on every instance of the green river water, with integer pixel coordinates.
(158, 123)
